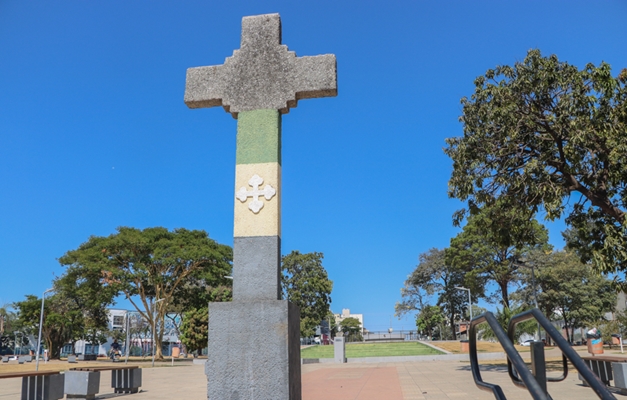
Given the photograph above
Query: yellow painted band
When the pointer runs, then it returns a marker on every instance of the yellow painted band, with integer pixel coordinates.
(266, 222)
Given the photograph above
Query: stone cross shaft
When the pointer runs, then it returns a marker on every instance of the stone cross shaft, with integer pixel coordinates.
(254, 341)
(261, 81)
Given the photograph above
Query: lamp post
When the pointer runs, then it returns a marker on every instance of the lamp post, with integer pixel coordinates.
(469, 308)
(15, 346)
(154, 328)
(127, 343)
(41, 323)
(522, 263)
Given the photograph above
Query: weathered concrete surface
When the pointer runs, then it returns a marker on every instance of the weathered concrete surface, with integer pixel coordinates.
(256, 271)
(250, 344)
(339, 350)
(262, 74)
(82, 384)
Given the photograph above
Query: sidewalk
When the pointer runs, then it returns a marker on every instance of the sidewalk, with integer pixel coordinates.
(375, 381)
(419, 380)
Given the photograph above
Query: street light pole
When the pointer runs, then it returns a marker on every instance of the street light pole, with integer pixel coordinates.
(535, 296)
(41, 323)
(533, 284)
(154, 329)
(469, 308)
(128, 346)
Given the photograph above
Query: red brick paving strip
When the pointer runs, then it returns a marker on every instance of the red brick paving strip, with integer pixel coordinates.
(376, 383)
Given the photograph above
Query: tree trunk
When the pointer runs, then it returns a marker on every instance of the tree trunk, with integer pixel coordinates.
(452, 321)
(504, 294)
(159, 342)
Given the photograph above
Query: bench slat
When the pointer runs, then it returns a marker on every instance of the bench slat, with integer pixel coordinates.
(103, 368)
(27, 373)
(605, 358)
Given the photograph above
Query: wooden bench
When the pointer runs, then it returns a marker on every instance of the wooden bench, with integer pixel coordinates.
(609, 368)
(40, 385)
(124, 379)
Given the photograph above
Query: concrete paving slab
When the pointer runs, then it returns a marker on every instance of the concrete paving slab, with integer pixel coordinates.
(375, 381)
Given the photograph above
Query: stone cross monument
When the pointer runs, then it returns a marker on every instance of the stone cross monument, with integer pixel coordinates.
(254, 341)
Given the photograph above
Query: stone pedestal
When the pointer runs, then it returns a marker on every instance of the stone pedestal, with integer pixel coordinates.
(254, 351)
(82, 384)
(339, 349)
(620, 375)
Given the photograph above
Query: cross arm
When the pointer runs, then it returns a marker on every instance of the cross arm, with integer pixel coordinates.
(203, 87)
(316, 76)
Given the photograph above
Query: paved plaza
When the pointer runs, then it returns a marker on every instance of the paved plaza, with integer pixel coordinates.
(359, 381)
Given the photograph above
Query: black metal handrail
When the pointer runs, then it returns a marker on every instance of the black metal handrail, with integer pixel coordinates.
(567, 353)
(534, 388)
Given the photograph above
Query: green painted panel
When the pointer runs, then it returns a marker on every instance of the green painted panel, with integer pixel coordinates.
(258, 137)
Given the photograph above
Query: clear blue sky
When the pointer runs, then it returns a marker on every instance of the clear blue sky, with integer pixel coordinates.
(94, 133)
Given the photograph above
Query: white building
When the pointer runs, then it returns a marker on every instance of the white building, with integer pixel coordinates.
(139, 334)
(346, 313)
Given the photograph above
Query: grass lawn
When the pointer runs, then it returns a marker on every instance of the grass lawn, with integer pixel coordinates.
(354, 350)
(454, 346)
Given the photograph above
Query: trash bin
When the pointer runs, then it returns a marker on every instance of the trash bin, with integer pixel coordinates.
(616, 339)
(176, 351)
(595, 343)
(465, 346)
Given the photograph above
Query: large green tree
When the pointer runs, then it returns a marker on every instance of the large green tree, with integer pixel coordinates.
(433, 275)
(64, 321)
(544, 134)
(195, 329)
(351, 327)
(429, 318)
(567, 289)
(491, 240)
(305, 282)
(86, 301)
(151, 264)
(8, 322)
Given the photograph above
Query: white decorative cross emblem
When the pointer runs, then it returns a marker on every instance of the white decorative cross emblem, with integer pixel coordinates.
(268, 192)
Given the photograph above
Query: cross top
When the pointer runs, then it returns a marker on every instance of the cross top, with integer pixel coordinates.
(262, 74)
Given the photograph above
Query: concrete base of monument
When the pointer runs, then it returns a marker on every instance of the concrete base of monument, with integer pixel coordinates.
(254, 351)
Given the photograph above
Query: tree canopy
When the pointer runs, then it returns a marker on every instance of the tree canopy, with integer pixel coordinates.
(428, 319)
(305, 282)
(64, 322)
(568, 289)
(195, 329)
(8, 325)
(491, 240)
(433, 275)
(351, 327)
(543, 131)
(149, 265)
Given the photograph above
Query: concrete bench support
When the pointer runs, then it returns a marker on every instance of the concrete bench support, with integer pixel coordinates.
(620, 375)
(47, 387)
(82, 384)
(126, 380)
